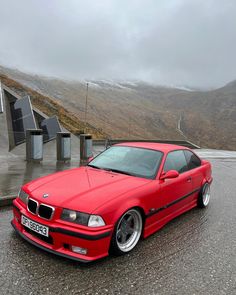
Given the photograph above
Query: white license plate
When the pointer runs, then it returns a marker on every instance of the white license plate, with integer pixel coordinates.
(34, 226)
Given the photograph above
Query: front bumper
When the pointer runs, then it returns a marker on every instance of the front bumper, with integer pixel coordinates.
(61, 237)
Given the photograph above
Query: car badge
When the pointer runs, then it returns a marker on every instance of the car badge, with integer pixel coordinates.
(45, 196)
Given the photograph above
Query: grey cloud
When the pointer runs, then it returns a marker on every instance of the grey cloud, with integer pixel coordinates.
(178, 42)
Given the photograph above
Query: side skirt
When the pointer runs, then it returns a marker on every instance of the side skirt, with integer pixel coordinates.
(152, 228)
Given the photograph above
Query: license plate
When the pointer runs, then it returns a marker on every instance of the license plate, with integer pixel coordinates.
(34, 226)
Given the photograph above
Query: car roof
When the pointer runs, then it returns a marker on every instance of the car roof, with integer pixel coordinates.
(163, 147)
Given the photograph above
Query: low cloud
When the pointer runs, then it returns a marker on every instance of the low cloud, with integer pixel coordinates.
(176, 42)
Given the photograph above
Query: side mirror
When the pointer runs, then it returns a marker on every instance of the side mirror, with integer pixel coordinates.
(170, 174)
(90, 159)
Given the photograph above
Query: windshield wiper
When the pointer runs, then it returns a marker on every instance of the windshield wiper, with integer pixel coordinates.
(119, 171)
(93, 166)
(111, 170)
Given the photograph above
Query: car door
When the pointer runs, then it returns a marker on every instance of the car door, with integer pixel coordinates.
(174, 192)
(194, 166)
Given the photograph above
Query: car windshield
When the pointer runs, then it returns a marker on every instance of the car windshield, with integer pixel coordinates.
(134, 161)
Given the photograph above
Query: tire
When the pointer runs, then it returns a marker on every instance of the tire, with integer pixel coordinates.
(204, 196)
(127, 232)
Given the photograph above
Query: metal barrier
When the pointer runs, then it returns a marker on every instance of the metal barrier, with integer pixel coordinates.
(34, 145)
(86, 145)
(63, 146)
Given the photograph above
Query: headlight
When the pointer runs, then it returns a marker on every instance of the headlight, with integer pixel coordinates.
(82, 218)
(75, 216)
(23, 196)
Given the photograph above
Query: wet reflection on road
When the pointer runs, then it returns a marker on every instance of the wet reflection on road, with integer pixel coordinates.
(193, 254)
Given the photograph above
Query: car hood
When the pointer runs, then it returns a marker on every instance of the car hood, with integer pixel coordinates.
(83, 189)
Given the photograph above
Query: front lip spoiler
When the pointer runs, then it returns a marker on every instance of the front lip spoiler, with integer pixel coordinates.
(46, 249)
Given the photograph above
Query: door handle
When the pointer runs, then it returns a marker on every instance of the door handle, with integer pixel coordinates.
(189, 179)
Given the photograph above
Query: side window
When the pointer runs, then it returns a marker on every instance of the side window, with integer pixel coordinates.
(192, 160)
(176, 161)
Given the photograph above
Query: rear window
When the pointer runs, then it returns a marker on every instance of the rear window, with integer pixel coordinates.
(192, 160)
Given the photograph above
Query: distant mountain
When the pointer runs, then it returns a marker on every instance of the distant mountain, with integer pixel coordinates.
(136, 109)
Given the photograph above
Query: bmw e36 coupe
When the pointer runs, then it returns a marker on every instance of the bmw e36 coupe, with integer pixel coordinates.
(127, 192)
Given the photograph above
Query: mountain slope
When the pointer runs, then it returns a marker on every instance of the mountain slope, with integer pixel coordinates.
(51, 107)
(141, 110)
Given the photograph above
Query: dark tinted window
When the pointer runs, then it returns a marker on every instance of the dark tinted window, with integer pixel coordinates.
(176, 161)
(192, 160)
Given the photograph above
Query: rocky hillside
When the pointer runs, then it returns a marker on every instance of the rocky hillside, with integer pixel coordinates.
(141, 110)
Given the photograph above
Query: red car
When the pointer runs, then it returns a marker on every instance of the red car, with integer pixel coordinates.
(127, 192)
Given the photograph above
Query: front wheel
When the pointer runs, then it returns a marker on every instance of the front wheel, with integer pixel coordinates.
(204, 196)
(127, 232)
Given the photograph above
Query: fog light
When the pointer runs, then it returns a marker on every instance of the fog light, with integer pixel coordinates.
(79, 250)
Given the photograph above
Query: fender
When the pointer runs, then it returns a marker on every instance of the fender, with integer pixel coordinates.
(119, 209)
(208, 179)
(125, 207)
(127, 201)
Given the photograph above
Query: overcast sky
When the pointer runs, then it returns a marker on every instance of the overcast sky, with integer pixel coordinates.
(171, 42)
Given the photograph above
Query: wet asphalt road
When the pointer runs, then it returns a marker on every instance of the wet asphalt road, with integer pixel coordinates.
(193, 254)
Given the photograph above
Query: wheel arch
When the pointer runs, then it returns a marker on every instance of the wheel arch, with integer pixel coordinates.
(126, 207)
(206, 180)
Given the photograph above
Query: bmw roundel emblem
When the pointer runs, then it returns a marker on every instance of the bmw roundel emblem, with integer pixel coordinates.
(45, 196)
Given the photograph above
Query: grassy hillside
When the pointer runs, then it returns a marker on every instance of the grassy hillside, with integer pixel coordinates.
(51, 107)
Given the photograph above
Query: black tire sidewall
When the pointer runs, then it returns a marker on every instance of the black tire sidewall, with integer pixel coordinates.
(201, 194)
(114, 249)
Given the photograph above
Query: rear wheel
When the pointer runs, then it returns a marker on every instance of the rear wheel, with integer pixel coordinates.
(204, 196)
(127, 232)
